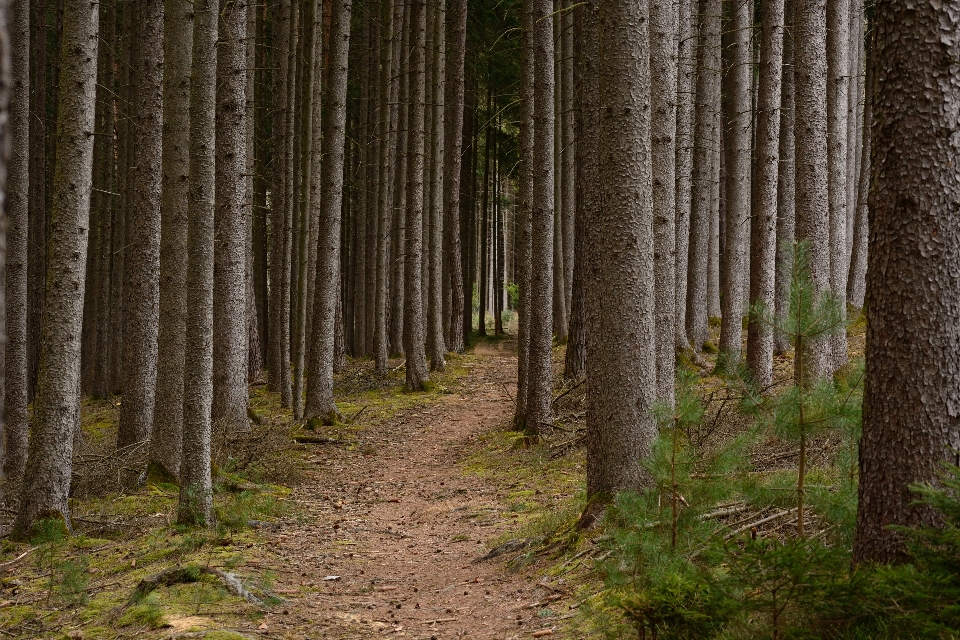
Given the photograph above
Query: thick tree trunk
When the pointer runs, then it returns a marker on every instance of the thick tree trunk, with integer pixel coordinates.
(453, 148)
(763, 220)
(436, 340)
(706, 141)
(737, 106)
(167, 436)
(46, 483)
(621, 370)
(15, 426)
(913, 287)
(838, 87)
(413, 320)
(812, 202)
(196, 488)
(686, 98)
(663, 132)
(230, 253)
(320, 402)
(142, 309)
(786, 183)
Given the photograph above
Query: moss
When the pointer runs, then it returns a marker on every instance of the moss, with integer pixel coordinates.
(710, 347)
(146, 613)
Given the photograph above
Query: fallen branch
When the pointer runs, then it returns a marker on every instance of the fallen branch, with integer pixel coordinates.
(757, 523)
(308, 439)
(19, 557)
(579, 384)
(186, 575)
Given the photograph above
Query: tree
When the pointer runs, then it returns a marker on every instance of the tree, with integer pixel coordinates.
(142, 273)
(413, 320)
(320, 402)
(810, 132)
(196, 486)
(763, 219)
(856, 279)
(381, 345)
(17, 212)
(46, 483)
(436, 340)
(786, 181)
(663, 132)
(737, 102)
(621, 371)
(913, 288)
(686, 75)
(539, 376)
(167, 437)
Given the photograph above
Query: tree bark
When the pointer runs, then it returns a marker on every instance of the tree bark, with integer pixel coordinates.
(167, 436)
(381, 347)
(436, 340)
(280, 48)
(913, 287)
(320, 402)
(812, 202)
(400, 197)
(856, 281)
(763, 220)
(46, 483)
(621, 370)
(686, 99)
(786, 183)
(567, 157)
(142, 309)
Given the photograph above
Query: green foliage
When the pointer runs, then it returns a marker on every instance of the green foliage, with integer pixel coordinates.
(146, 613)
(513, 295)
(72, 580)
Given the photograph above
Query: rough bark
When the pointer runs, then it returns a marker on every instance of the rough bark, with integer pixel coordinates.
(15, 426)
(400, 194)
(737, 107)
(142, 309)
(46, 483)
(381, 347)
(621, 371)
(196, 488)
(320, 402)
(663, 132)
(838, 85)
(786, 183)
(413, 319)
(913, 287)
(567, 166)
(167, 436)
(763, 220)
(230, 253)
(10, 22)
(810, 132)
(686, 76)
(436, 341)
(37, 227)
(856, 281)
(706, 140)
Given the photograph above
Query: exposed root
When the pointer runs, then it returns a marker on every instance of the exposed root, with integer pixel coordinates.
(186, 575)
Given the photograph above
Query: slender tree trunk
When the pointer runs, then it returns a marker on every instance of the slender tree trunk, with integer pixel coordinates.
(539, 376)
(786, 183)
(381, 347)
(196, 488)
(142, 309)
(230, 254)
(254, 344)
(320, 402)
(453, 148)
(484, 219)
(400, 194)
(856, 282)
(436, 339)
(737, 105)
(913, 288)
(37, 224)
(11, 86)
(46, 482)
(838, 88)
(621, 364)
(280, 48)
(663, 132)
(167, 436)
(568, 157)
(706, 140)
(413, 334)
(15, 426)
(686, 98)
(763, 223)
(264, 62)
(812, 203)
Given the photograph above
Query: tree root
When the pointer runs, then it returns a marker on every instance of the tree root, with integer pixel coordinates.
(185, 575)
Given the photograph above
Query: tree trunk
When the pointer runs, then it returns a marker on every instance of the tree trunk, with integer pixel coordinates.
(280, 48)
(838, 84)
(706, 140)
(567, 158)
(15, 426)
(320, 402)
(413, 334)
(913, 287)
(737, 105)
(786, 182)
(436, 340)
(196, 488)
(453, 148)
(230, 254)
(663, 131)
(167, 436)
(142, 309)
(400, 191)
(856, 282)
(763, 220)
(37, 224)
(621, 365)
(686, 75)
(812, 203)
(484, 219)
(46, 483)
(381, 347)
(539, 375)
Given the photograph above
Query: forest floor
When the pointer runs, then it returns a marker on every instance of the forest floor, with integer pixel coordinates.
(421, 516)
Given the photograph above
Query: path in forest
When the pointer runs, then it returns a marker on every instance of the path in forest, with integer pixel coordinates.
(391, 532)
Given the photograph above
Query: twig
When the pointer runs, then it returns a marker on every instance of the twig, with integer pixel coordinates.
(569, 390)
(750, 525)
(19, 557)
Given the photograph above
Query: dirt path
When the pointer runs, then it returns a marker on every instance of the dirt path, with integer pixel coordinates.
(390, 533)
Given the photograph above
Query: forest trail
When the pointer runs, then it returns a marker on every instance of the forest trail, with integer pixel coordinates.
(390, 534)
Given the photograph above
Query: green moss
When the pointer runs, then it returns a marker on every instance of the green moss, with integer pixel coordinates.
(146, 613)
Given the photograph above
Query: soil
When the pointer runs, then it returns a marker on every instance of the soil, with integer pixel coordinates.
(389, 538)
